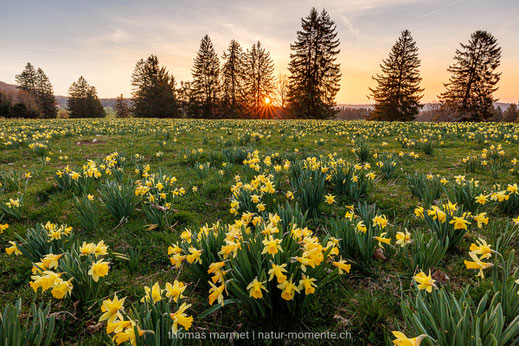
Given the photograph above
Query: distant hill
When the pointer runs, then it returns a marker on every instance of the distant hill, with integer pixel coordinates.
(7, 87)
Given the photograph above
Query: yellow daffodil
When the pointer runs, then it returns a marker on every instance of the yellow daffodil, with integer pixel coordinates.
(194, 256)
(402, 340)
(255, 288)
(179, 317)
(50, 261)
(272, 246)
(361, 227)
(459, 222)
(308, 284)
(476, 263)
(175, 291)
(403, 238)
(288, 290)
(382, 239)
(216, 293)
(425, 282)
(481, 219)
(98, 269)
(380, 221)
(3, 228)
(13, 249)
(278, 270)
(481, 248)
(330, 199)
(342, 265)
(112, 309)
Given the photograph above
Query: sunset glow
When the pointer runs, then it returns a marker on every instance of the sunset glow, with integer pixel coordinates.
(103, 40)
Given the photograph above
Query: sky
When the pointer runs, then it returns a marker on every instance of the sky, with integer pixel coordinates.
(103, 39)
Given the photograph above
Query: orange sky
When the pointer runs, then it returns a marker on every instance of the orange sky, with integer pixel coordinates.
(102, 40)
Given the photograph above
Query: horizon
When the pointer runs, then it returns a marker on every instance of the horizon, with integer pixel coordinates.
(103, 41)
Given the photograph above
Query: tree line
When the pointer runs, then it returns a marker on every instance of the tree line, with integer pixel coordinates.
(241, 83)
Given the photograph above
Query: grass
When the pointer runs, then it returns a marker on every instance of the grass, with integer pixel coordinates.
(365, 306)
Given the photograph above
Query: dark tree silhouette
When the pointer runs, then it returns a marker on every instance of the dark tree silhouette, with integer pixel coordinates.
(83, 101)
(473, 78)
(121, 108)
(35, 84)
(315, 75)
(398, 93)
(259, 77)
(205, 84)
(233, 80)
(153, 90)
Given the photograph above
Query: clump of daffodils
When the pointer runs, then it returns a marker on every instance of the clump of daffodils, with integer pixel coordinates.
(159, 307)
(256, 262)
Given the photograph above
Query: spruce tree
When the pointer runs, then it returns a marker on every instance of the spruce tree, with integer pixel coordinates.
(510, 114)
(36, 85)
(474, 78)
(233, 80)
(205, 85)
(83, 101)
(153, 91)
(315, 75)
(259, 77)
(398, 93)
(26, 80)
(121, 108)
(45, 95)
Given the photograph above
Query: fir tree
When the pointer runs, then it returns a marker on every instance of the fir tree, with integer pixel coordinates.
(205, 84)
(36, 84)
(511, 114)
(398, 93)
(259, 78)
(233, 80)
(153, 90)
(121, 108)
(473, 78)
(315, 75)
(45, 95)
(83, 101)
(26, 80)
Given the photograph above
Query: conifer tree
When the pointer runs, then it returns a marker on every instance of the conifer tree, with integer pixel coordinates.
(315, 75)
(153, 90)
(26, 80)
(36, 85)
(45, 95)
(510, 114)
(205, 84)
(474, 78)
(83, 101)
(233, 80)
(398, 93)
(121, 108)
(259, 78)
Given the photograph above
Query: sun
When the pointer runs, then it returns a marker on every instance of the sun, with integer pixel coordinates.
(267, 101)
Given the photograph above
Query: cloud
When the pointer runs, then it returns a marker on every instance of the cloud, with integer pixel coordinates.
(349, 25)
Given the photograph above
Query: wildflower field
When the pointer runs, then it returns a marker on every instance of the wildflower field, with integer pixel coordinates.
(159, 232)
